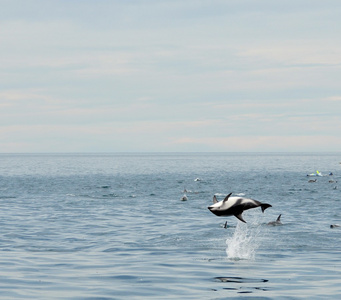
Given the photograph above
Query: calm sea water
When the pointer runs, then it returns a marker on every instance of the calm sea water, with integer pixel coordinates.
(112, 226)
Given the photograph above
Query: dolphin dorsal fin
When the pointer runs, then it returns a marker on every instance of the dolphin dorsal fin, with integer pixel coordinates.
(279, 218)
(240, 217)
(215, 199)
(227, 197)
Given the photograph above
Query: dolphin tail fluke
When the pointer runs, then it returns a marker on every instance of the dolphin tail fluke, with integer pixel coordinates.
(240, 217)
(264, 206)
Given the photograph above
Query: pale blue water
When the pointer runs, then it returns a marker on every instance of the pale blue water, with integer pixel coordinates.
(112, 226)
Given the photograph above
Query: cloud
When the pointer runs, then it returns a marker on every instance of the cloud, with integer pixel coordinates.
(261, 143)
(333, 98)
(169, 75)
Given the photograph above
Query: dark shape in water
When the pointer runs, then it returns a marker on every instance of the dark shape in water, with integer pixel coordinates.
(239, 279)
(105, 186)
(277, 222)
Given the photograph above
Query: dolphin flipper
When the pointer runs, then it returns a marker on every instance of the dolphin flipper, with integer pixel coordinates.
(215, 199)
(240, 217)
(227, 197)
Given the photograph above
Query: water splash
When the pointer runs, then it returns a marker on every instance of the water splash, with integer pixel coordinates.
(243, 243)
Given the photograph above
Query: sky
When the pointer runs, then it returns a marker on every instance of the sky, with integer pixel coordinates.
(170, 76)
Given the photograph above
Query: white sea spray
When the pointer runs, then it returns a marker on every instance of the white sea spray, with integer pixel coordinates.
(244, 242)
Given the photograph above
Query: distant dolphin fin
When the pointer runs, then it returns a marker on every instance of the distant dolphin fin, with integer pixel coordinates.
(264, 206)
(215, 199)
(240, 217)
(279, 218)
(227, 197)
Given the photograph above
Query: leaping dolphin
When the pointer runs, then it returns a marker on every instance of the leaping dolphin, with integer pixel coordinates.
(234, 206)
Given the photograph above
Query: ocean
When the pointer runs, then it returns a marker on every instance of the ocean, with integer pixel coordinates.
(113, 226)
